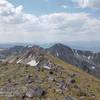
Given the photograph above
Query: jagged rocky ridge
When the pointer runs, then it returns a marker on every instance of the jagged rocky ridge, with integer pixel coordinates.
(34, 73)
(34, 56)
(86, 60)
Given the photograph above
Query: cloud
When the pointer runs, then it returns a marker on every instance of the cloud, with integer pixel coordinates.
(64, 6)
(78, 3)
(83, 3)
(95, 4)
(18, 26)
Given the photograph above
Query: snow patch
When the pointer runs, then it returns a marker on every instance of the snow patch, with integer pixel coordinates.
(76, 53)
(19, 61)
(93, 67)
(57, 54)
(33, 63)
(30, 45)
(47, 67)
(89, 57)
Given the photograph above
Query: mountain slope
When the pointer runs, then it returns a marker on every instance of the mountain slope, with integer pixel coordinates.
(16, 50)
(61, 82)
(86, 60)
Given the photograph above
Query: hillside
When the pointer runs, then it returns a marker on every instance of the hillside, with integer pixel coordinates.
(86, 60)
(62, 81)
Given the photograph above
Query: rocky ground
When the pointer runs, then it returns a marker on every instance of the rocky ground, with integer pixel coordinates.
(88, 61)
(61, 82)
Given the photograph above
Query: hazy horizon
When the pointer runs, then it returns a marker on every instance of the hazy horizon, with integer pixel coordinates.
(90, 46)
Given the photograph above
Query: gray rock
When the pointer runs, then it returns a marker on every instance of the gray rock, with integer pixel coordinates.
(29, 79)
(70, 98)
(35, 92)
(10, 98)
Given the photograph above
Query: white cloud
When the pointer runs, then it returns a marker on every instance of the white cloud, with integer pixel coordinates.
(17, 26)
(84, 3)
(79, 3)
(95, 4)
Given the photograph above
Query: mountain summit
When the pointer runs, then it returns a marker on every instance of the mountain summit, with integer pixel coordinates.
(86, 60)
(34, 74)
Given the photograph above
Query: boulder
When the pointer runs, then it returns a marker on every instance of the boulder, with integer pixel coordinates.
(10, 98)
(38, 92)
(70, 98)
(29, 79)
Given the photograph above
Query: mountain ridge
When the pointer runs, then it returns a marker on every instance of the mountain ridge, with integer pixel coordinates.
(38, 74)
(62, 81)
(86, 60)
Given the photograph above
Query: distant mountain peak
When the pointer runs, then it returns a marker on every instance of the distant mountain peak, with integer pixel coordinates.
(86, 60)
(60, 45)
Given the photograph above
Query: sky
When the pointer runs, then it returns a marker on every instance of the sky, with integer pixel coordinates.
(49, 21)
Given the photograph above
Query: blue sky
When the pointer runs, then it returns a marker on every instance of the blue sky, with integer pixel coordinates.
(39, 7)
(48, 21)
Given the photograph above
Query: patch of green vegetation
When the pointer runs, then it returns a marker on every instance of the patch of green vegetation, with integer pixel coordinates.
(83, 84)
